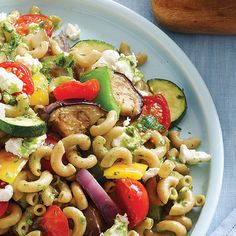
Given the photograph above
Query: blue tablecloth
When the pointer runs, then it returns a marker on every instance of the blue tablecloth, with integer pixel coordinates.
(215, 59)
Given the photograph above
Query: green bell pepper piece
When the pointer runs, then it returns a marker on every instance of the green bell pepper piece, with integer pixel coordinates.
(105, 97)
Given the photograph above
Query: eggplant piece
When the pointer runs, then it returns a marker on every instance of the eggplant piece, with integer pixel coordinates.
(73, 116)
(95, 223)
(128, 98)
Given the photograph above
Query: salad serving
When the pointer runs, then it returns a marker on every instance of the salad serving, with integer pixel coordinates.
(88, 147)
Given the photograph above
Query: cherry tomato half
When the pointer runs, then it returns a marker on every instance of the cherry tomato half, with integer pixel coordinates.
(133, 199)
(22, 72)
(3, 208)
(75, 89)
(51, 139)
(157, 106)
(54, 222)
(23, 22)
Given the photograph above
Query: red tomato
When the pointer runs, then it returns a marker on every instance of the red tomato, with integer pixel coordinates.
(22, 72)
(133, 198)
(157, 106)
(46, 165)
(3, 208)
(75, 89)
(51, 140)
(54, 222)
(23, 22)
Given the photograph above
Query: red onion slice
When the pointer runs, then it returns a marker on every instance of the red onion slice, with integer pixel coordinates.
(103, 202)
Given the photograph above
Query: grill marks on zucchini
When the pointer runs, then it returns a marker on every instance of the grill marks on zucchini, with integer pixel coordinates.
(173, 94)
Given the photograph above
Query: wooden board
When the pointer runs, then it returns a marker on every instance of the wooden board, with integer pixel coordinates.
(196, 16)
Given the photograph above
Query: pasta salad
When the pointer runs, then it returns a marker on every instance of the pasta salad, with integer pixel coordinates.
(88, 145)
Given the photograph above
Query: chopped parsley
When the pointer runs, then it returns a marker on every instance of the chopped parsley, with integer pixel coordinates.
(149, 122)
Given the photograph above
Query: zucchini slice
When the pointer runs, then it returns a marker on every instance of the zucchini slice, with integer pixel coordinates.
(85, 47)
(87, 52)
(23, 126)
(174, 96)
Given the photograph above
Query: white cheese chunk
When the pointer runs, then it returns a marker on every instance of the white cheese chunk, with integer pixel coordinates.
(108, 58)
(13, 145)
(24, 147)
(32, 63)
(6, 193)
(72, 31)
(132, 58)
(9, 82)
(119, 63)
(192, 156)
(151, 172)
(126, 122)
(123, 67)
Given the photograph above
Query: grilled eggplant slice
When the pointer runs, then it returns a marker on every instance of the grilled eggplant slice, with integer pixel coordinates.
(95, 222)
(73, 116)
(128, 98)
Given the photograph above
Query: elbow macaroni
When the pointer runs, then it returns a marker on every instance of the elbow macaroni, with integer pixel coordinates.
(98, 147)
(184, 204)
(37, 185)
(35, 159)
(167, 179)
(12, 217)
(146, 155)
(82, 141)
(171, 226)
(65, 194)
(106, 125)
(116, 153)
(57, 164)
(79, 196)
(164, 187)
(78, 218)
(191, 143)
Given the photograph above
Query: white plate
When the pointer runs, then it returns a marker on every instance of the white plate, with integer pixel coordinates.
(111, 22)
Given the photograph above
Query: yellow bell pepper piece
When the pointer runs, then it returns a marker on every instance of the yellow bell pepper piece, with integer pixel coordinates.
(120, 170)
(40, 95)
(10, 166)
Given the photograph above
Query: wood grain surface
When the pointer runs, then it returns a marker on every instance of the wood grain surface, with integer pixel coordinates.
(196, 16)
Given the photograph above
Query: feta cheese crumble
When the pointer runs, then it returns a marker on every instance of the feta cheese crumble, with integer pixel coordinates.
(13, 145)
(192, 156)
(108, 58)
(9, 82)
(120, 63)
(32, 63)
(123, 67)
(126, 122)
(72, 31)
(6, 193)
(24, 147)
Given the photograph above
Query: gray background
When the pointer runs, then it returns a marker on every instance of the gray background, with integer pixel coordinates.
(214, 57)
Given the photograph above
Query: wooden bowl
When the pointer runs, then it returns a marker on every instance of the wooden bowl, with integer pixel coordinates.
(196, 16)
